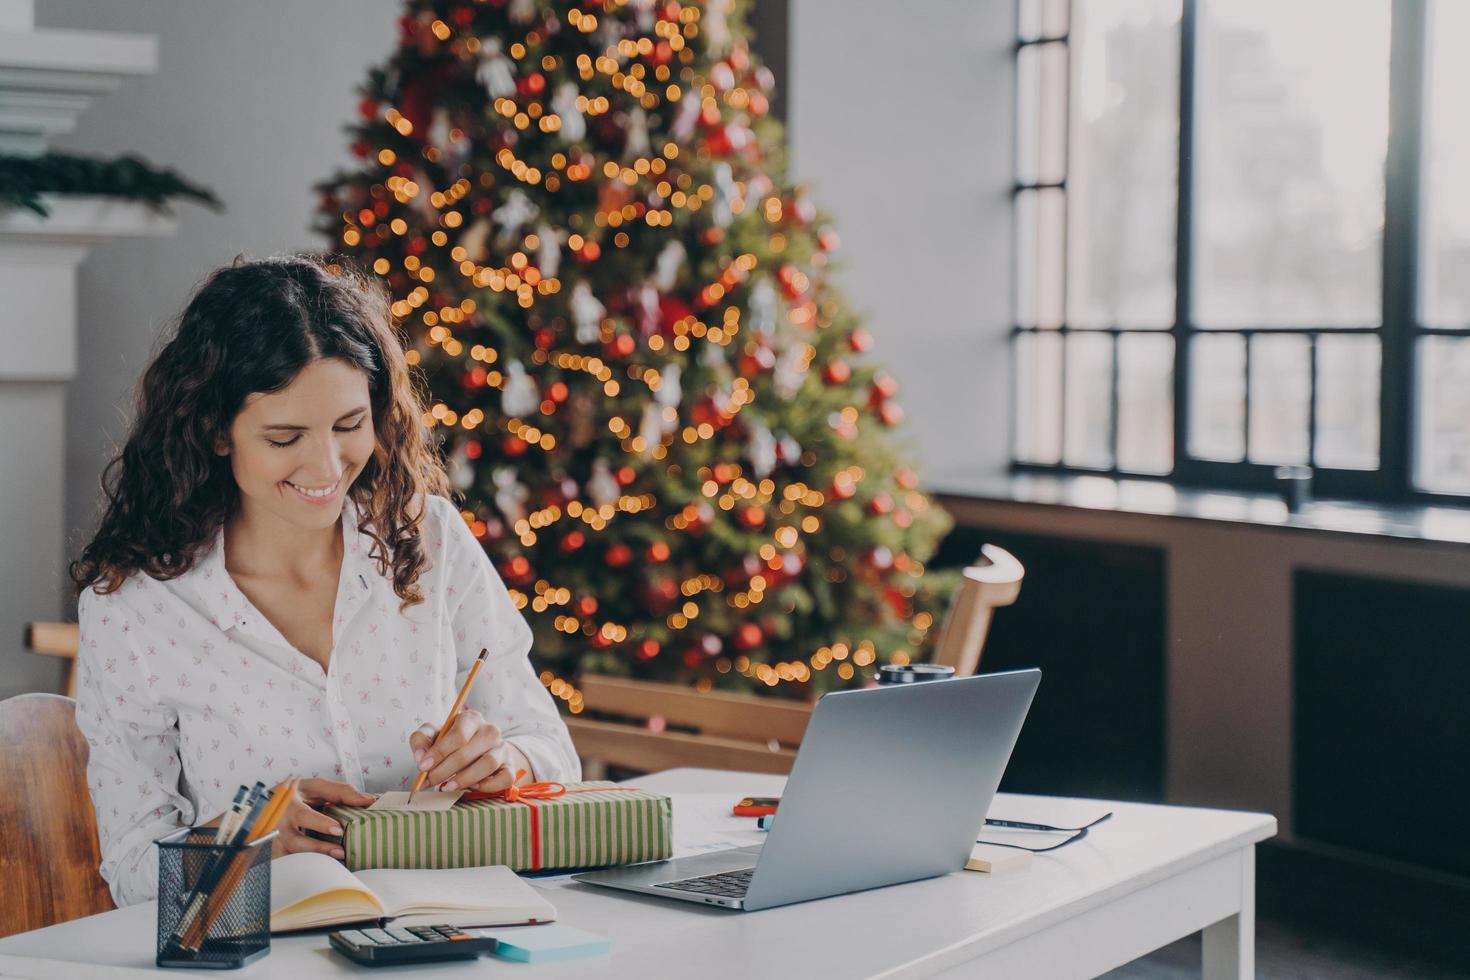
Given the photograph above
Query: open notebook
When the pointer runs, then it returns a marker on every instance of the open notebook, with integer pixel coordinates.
(312, 890)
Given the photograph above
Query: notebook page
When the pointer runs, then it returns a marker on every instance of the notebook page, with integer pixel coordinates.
(494, 889)
(303, 881)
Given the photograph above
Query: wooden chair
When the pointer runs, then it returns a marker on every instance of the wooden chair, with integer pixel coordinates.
(993, 581)
(48, 831)
(56, 640)
(750, 733)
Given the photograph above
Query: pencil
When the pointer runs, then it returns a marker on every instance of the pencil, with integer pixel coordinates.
(219, 896)
(464, 692)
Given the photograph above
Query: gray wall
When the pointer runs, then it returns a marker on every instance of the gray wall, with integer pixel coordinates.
(901, 121)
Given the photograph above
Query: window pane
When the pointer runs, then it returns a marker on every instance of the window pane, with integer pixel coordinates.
(1145, 403)
(1217, 397)
(1281, 398)
(1089, 401)
(1292, 124)
(1040, 230)
(1038, 397)
(1043, 18)
(1347, 402)
(1446, 252)
(1041, 113)
(1123, 172)
(1444, 415)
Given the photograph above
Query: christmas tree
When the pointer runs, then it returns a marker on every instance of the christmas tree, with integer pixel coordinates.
(648, 388)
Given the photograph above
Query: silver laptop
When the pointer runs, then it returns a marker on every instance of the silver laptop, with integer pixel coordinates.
(891, 784)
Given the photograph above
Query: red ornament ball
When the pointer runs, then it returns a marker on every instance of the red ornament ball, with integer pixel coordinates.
(861, 341)
(515, 446)
(752, 517)
(748, 636)
(619, 555)
(837, 372)
(891, 413)
(573, 541)
(646, 650)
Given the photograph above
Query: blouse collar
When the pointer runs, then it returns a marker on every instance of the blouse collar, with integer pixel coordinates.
(227, 605)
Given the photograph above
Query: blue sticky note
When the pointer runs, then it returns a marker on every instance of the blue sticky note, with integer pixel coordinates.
(543, 944)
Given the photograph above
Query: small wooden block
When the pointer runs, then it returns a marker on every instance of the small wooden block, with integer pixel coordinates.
(997, 860)
(425, 800)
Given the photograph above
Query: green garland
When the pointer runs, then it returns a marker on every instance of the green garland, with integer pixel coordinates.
(24, 179)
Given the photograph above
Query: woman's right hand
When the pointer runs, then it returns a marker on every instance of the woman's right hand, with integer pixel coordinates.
(300, 816)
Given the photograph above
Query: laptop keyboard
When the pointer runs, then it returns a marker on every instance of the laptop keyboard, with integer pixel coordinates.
(726, 884)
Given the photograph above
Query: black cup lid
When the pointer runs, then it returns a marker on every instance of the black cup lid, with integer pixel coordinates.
(913, 673)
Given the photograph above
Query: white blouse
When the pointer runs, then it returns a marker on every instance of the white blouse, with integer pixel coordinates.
(185, 691)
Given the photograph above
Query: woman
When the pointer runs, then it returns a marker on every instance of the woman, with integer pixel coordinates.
(278, 587)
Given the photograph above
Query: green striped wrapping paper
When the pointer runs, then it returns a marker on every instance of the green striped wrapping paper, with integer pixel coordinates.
(577, 830)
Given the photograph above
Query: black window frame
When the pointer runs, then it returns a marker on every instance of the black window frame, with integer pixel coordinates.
(1399, 333)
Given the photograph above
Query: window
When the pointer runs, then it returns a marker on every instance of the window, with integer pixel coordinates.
(1240, 246)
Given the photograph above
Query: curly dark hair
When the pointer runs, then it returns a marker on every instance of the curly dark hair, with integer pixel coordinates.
(251, 327)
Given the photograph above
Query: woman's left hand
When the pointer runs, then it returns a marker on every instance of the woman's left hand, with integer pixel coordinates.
(471, 755)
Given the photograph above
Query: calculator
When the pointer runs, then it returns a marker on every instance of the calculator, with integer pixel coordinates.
(417, 944)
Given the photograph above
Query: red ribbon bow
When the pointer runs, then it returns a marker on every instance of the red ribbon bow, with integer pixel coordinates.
(528, 794)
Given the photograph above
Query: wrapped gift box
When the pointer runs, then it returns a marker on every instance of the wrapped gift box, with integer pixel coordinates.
(591, 825)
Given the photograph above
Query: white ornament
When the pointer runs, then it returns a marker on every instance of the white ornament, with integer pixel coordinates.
(421, 202)
(762, 450)
(587, 311)
(790, 371)
(788, 449)
(548, 252)
(651, 429)
(495, 71)
(637, 144)
(564, 104)
(439, 127)
(522, 11)
(725, 192)
(666, 267)
(510, 495)
(712, 358)
(461, 471)
(764, 306)
(643, 12)
(715, 29)
(648, 312)
(602, 486)
(512, 216)
(686, 116)
(520, 396)
(474, 238)
(670, 392)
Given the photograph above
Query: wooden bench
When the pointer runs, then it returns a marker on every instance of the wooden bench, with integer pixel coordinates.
(747, 732)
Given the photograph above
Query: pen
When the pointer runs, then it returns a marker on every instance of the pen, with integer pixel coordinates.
(464, 692)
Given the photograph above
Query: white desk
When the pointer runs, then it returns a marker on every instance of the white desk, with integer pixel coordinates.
(1147, 877)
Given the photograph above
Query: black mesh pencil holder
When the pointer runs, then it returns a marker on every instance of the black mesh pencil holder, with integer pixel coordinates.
(214, 902)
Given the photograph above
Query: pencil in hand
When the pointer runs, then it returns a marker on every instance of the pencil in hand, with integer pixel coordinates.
(464, 692)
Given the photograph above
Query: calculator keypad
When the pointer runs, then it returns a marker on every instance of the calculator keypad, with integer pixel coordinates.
(394, 944)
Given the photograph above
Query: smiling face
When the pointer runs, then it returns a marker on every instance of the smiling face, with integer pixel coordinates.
(296, 451)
